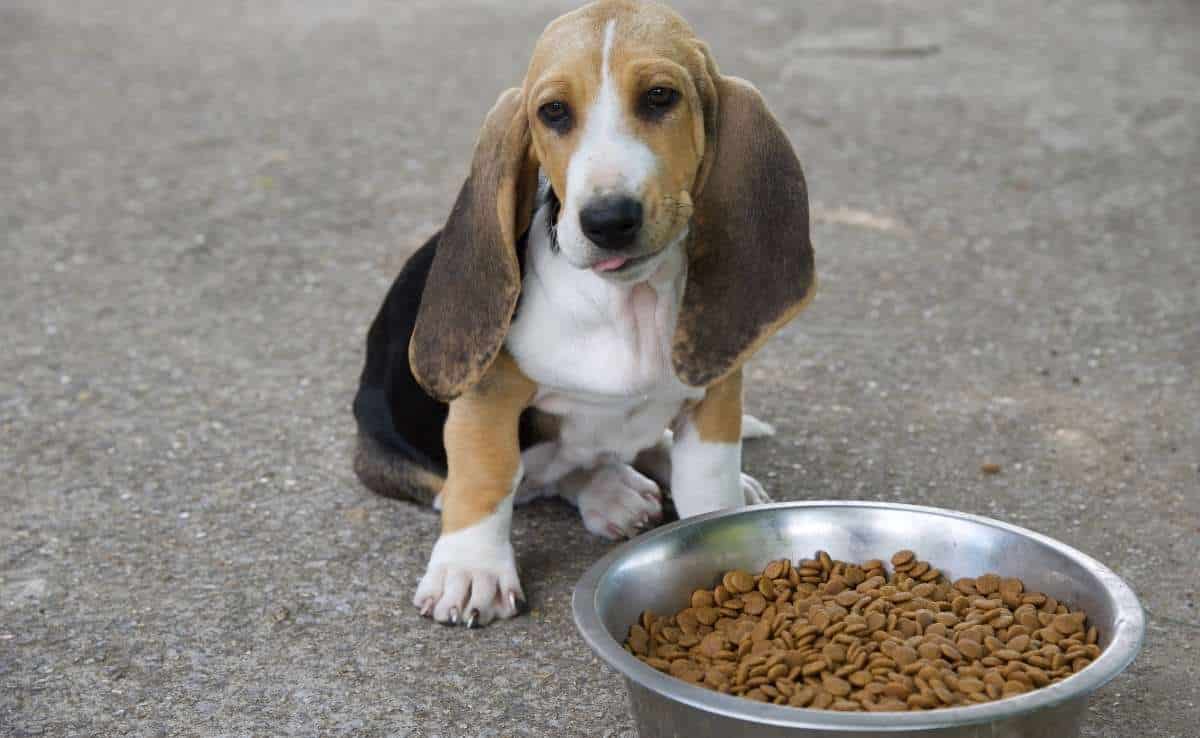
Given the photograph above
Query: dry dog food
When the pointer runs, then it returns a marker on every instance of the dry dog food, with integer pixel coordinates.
(828, 634)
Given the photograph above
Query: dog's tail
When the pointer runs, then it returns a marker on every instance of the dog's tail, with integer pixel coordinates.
(387, 464)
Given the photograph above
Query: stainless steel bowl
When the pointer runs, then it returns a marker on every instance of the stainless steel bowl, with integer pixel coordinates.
(659, 570)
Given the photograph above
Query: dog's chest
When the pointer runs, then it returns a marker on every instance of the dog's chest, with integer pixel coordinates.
(600, 354)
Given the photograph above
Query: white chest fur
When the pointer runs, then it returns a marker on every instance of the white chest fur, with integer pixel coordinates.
(599, 351)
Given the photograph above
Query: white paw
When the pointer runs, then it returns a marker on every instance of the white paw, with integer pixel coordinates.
(752, 491)
(619, 502)
(752, 427)
(470, 580)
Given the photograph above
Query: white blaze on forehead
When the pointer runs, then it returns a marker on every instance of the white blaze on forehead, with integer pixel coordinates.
(609, 157)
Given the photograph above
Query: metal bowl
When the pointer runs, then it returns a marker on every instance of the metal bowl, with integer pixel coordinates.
(659, 570)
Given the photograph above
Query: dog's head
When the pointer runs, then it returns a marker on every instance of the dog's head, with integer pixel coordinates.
(644, 143)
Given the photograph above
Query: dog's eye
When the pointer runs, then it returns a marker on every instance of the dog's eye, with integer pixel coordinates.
(555, 114)
(659, 100)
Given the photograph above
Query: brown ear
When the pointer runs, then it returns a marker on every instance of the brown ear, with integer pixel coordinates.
(750, 261)
(474, 282)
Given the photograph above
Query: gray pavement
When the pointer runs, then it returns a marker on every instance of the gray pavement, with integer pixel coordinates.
(202, 204)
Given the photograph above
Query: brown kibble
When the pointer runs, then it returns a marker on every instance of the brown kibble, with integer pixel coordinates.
(753, 603)
(989, 468)
(987, 584)
(921, 701)
(738, 581)
(822, 701)
(1011, 589)
(774, 570)
(904, 655)
(950, 652)
(703, 598)
(836, 686)
(971, 649)
(1012, 687)
(929, 651)
(834, 653)
(970, 685)
(1020, 643)
(639, 640)
(897, 690)
(1069, 623)
(828, 634)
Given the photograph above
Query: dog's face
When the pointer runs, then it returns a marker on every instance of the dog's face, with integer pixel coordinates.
(647, 146)
(616, 118)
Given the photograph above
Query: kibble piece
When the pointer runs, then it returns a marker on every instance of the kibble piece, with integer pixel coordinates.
(987, 584)
(904, 655)
(738, 581)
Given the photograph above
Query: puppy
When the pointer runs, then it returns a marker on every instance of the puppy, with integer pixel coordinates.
(633, 228)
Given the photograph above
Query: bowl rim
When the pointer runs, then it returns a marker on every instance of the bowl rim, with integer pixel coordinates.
(1127, 638)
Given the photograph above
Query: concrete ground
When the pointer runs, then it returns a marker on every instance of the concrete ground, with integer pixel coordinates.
(203, 203)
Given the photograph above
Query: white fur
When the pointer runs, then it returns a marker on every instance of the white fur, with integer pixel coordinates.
(615, 500)
(473, 569)
(600, 353)
(608, 160)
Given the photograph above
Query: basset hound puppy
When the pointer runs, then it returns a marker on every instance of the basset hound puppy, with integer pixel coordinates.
(634, 227)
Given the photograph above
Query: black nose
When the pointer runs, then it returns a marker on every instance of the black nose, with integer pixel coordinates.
(611, 222)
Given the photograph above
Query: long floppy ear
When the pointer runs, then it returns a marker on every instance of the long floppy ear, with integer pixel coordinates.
(750, 260)
(474, 282)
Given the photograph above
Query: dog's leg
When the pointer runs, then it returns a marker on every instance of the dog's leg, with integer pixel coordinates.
(706, 454)
(615, 500)
(472, 573)
(655, 462)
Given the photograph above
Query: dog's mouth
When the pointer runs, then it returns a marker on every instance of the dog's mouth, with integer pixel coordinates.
(618, 264)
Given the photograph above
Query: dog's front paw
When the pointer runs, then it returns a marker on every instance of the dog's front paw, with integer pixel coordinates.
(469, 584)
(752, 491)
(619, 502)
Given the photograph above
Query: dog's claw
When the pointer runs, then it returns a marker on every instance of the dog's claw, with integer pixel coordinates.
(472, 618)
(454, 616)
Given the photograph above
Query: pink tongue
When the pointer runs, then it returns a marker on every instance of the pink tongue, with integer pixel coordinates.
(610, 264)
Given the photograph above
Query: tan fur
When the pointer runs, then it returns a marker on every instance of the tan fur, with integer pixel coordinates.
(483, 451)
(718, 416)
(652, 47)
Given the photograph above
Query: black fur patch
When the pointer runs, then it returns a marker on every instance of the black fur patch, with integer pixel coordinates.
(399, 424)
